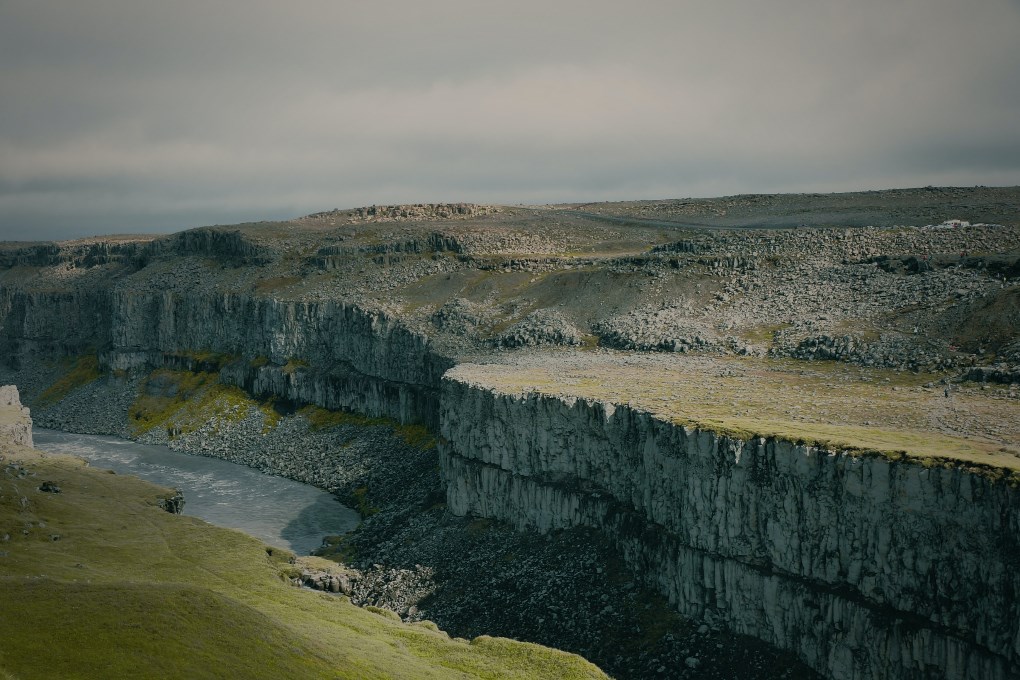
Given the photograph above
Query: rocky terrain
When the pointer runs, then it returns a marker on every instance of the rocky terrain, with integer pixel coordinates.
(736, 363)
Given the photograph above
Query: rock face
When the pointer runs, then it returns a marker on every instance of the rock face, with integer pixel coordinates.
(364, 359)
(173, 504)
(865, 568)
(15, 421)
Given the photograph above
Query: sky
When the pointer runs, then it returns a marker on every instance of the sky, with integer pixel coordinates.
(131, 116)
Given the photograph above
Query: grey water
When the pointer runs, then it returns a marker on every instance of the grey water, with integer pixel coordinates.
(279, 511)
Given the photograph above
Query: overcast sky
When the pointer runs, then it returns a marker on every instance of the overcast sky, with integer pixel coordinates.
(139, 116)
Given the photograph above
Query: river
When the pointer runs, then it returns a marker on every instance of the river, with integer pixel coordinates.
(279, 511)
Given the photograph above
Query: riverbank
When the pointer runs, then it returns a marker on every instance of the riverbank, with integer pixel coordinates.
(279, 511)
(99, 581)
(568, 589)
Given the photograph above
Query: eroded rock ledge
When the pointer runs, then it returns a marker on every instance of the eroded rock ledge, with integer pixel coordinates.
(15, 420)
(864, 567)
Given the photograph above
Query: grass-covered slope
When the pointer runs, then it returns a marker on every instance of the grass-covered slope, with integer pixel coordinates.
(97, 581)
(822, 402)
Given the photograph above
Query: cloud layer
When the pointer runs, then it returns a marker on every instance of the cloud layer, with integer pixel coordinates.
(120, 115)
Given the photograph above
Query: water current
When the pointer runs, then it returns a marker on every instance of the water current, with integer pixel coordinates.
(279, 511)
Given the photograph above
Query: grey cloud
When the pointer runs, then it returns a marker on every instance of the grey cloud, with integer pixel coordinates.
(123, 115)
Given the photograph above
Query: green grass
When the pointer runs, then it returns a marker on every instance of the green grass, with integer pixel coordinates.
(321, 419)
(414, 435)
(276, 283)
(865, 411)
(337, 549)
(81, 372)
(182, 401)
(763, 335)
(130, 591)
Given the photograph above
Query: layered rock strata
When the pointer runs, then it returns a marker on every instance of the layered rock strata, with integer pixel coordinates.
(864, 567)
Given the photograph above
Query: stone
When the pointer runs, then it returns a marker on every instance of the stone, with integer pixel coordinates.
(173, 504)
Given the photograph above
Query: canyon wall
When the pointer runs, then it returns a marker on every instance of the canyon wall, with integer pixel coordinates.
(340, 355)
(861, 566)
(15, 420)
(864, 567)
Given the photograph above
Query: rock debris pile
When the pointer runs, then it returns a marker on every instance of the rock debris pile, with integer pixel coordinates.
(414, 212)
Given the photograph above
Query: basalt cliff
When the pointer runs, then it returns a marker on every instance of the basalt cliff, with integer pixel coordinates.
(16, 421)
(864, 566)
(791, 417)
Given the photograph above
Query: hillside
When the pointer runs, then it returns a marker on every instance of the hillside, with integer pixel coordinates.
(98, 581)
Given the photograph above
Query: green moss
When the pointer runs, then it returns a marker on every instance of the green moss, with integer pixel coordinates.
(322, 419)
(293, 365)
(763, 335)
(182, 402)
(259, 361)
(416, 436)
(337, 549)
(479, 525)
(84, 370)
(361, 502)
(270, 415)
(162, 395)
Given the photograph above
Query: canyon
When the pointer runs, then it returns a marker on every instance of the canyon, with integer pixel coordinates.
(792, 418)
(103, 577)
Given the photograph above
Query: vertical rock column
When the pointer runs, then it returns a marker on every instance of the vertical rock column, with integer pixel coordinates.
(15, 421)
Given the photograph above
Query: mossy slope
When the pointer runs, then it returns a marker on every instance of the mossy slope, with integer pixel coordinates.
(99, 582)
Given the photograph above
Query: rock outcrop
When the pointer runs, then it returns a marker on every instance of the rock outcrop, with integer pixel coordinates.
(864, 567)
(357, 359)
(15, 420)
(174, 504)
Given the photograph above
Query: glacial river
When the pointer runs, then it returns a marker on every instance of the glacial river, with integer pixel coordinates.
(279, 511)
